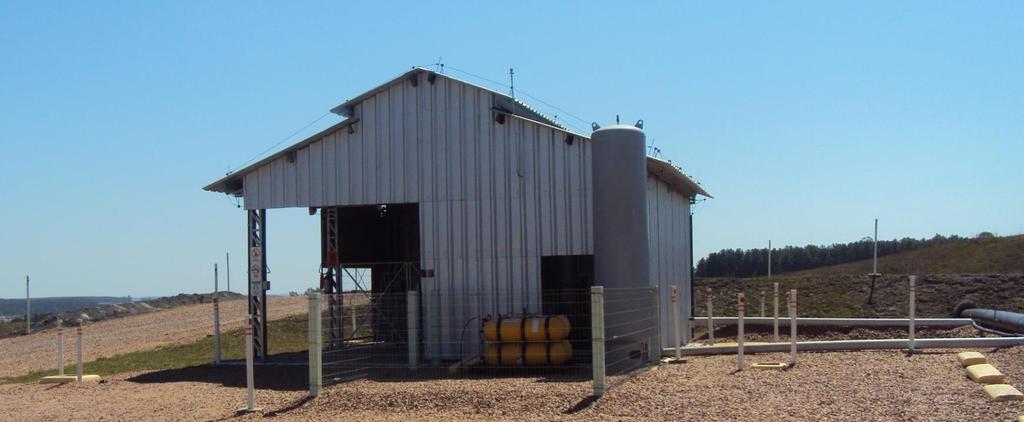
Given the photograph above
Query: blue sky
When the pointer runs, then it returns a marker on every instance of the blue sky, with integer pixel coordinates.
(806, 120)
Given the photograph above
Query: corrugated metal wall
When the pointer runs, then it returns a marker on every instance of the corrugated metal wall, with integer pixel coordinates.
(493, 197)
(669, 225)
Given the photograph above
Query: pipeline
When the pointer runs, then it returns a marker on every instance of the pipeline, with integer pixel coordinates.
(873, 344)
(1002, 322)
(844, 322)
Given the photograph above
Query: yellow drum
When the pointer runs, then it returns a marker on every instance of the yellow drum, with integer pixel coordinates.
(551, 328)
(537, 354)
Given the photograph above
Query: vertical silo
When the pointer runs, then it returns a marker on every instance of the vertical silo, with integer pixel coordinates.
(621, 255)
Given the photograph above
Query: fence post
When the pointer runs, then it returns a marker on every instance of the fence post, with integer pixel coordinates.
(216, 331)
(913, 293)
(775, 310)
(763, 295)
(741, 305)
(792, 327)
(655, 343)
(597, 337)
(60, 347)
(711, 322)
(78, 351)
(675, 322)
(316, 378)
(249, 387)
(436, 314)
(412, 304)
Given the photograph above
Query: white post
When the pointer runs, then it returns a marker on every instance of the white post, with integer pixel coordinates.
(353, 314)
(775, 311)
(28, 309)
(675, 321)
(792, 327)
(913, 293)
(216, 331)
(412, 303)
(597, 337)
(60, 347)
(763, 296)
(78, 352)
(711, 322)
(739, 333)
(315, 338)
(769, 259)
(250, 393)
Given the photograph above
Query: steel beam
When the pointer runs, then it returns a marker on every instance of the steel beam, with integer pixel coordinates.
(331, 277)
(258, 284)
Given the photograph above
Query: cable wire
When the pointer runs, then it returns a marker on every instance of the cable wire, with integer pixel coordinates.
(268, 149)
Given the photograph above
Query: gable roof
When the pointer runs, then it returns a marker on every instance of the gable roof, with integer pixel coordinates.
(666, 171)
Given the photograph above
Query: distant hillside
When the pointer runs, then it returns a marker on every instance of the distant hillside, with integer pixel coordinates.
(46, 305)
(996, 255)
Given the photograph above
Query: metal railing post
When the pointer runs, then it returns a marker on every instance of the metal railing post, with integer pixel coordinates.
(412, 306)
(78, 352)
(597, 337)
(792, 327)
(316, 377)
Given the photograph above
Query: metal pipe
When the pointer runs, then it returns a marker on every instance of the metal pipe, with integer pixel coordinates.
(874, 344)
(1010, 322)
(850, 322)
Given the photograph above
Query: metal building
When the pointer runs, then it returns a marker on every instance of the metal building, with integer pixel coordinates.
(480, 192)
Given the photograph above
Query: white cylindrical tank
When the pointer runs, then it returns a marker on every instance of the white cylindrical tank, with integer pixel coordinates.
(619, 169)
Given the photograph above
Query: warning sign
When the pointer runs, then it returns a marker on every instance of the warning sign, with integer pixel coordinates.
(255, 264)
(675, 294)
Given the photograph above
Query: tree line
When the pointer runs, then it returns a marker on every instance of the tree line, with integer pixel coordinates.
(754, 262)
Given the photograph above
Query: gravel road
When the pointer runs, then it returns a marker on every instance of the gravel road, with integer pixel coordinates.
(855, 386)
(183, 324)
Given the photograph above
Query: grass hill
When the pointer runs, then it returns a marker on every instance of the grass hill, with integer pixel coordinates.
(995, 255)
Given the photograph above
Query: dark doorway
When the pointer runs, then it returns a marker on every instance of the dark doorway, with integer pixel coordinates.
(565, 282)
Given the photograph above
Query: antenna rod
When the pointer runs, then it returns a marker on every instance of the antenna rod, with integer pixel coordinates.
(512, 82)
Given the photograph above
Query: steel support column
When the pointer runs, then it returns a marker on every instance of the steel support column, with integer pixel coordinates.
(258, 284)
(331, 278)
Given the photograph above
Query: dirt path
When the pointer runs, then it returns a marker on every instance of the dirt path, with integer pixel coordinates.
(855, 386)
(23, 354)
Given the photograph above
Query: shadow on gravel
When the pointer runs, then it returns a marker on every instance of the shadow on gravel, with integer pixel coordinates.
(278, 378)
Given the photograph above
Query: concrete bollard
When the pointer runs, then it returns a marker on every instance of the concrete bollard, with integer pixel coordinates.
(216, 331)
(78, 351)
(792, 327)
(60, 347)
(775, 311)
(913, 294)
(739, 333)
(711, 322)
(249, 383)
(315, 346)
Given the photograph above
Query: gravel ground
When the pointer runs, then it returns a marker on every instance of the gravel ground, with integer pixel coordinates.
(183, 324)
(882, 385)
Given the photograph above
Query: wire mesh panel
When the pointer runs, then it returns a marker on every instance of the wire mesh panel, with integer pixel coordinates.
(414, 334)
(631, 331)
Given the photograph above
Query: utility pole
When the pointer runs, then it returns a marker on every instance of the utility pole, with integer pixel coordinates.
(227, 268)
(28, 308)
(769, 258)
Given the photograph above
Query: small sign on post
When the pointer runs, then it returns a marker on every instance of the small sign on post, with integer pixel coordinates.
(255, 264)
